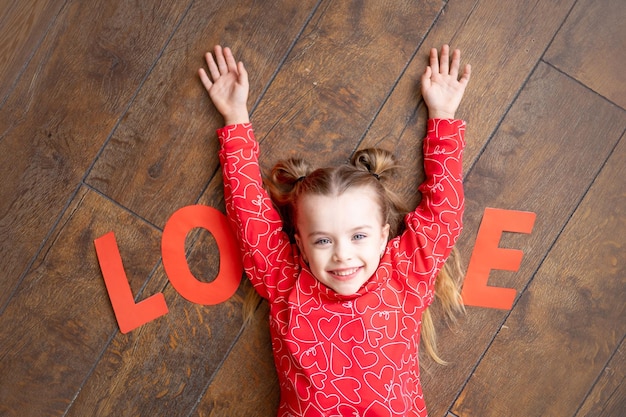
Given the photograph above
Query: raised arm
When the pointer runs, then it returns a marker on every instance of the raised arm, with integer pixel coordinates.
(435, 225)
(257, 224)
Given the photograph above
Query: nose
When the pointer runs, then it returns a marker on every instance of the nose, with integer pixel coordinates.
(342, 252)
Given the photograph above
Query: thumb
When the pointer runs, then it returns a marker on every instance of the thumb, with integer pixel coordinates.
(426, 78)
(243, 74)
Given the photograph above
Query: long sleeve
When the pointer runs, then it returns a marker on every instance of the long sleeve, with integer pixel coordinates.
(265, 248)
(435, 225)
(355, 354)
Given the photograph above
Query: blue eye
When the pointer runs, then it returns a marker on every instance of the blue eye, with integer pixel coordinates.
(359, 236)
(322, 241)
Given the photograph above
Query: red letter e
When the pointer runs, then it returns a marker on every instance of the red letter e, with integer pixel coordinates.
(487, 256)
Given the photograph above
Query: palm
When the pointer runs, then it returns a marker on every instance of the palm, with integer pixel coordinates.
(228, 93)
(442, 89)
(227, 85)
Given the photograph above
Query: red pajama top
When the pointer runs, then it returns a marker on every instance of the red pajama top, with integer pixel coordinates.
(347, 355)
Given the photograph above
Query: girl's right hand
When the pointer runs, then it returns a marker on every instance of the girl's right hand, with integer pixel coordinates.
(227, 85)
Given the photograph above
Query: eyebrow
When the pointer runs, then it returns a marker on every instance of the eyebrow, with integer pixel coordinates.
(353, 230)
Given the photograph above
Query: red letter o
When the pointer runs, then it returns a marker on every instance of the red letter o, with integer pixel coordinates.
(175, 260)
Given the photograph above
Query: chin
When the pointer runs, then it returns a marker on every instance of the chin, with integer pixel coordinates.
(346, 289)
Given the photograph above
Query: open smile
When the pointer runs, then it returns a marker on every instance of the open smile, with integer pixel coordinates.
(345, 274)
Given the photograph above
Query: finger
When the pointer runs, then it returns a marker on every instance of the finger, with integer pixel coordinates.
(206, 81)
(243, 74)
(213, 70)
(467, 72)
(434, 60)
(231, 64)
(220, 60)
(444, 62)
(456, 63)
(428, 72)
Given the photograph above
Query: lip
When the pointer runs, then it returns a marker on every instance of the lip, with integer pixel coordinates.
(345, 274)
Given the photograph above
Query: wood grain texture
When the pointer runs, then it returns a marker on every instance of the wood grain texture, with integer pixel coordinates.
(590, 47)
(173, 147)
(343, 67)
(540, 160)
(116, 81)
(166, 364)
(569, 321)
(246, 384)
(61, 319)
(60, 114)
(23, 23)
(502, 53)
(608, 397)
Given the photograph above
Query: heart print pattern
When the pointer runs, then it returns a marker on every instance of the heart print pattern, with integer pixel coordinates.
(347, 355)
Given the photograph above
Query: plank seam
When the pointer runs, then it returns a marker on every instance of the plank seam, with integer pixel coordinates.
(221, 363)
(470, 169)
(397, 81)
(266, 88)
(595, 382)
(584, 86)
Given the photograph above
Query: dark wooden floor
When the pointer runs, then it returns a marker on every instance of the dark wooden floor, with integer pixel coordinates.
(104, 126)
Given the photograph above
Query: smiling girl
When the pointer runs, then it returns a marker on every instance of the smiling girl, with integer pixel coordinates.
(346, 279)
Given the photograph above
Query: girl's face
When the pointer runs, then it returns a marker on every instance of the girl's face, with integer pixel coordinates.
(342, 238)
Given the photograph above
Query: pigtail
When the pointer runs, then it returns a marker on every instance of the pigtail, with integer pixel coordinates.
(448, 303)
(371, 167)
(281, 183)
(383, 166)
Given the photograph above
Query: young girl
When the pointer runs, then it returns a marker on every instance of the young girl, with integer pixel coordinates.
(346, 301)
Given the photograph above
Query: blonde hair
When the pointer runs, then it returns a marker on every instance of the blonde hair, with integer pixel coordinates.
(289, 179)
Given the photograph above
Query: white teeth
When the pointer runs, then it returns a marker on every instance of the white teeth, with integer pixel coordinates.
(345, 273)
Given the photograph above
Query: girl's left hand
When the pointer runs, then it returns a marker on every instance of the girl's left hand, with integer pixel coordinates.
(442, 90)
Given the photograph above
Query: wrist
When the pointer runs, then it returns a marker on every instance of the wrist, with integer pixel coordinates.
(437, 114)
(236, 118)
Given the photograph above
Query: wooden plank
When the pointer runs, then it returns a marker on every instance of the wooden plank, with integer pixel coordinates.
(57, 324)
(63, 109)
(23, 23)
(502, 53)
(169, 134)
(569, 321)
(162, 368)
(337, 77)
(590, 47)
(246, 384)
(608, 397)
(546, 152)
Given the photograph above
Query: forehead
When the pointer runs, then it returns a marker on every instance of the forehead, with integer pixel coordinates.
(355, 207)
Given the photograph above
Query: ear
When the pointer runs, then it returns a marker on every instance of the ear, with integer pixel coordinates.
(384, 238)
(301, 247)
